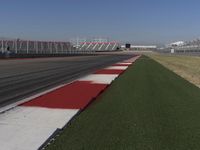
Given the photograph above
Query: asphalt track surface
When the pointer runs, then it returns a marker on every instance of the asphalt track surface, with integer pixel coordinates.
(21, 78)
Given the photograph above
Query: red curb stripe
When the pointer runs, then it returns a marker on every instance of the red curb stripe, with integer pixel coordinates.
(109, 71)
(73, 96)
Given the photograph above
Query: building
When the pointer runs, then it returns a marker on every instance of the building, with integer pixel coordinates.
(139, 47)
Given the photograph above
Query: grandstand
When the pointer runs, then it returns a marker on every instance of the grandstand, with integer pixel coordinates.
(186, 47)
(98, 46)
(95, 44)
(18, 46)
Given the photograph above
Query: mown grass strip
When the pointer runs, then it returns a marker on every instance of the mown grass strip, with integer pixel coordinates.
(147, 108)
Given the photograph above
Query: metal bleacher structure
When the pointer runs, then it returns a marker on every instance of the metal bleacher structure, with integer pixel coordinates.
(18, 46)
(188, 47)
(99, 46)
(96, 45)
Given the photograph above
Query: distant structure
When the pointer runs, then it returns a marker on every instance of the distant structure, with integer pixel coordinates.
(76, 42)
(183, 47)
(176, 44)
(129, 46)
(95, 44)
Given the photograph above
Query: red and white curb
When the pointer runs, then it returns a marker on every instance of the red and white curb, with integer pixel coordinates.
(26, 125)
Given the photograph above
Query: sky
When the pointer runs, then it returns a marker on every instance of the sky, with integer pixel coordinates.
(136, 21)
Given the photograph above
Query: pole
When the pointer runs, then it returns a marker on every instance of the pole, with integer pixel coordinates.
(27, 44)
(51, 50)
(36, 47)
(56, 45)
(2, 46)
(62, 47)
(42, 47)
(16, 46)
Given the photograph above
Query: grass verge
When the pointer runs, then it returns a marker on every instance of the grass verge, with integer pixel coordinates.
(147, 108)
(185, 66)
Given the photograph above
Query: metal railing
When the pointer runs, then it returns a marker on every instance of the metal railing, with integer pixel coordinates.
(35, 47)
(188, 49)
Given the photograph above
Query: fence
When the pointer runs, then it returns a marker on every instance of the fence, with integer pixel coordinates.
(182, 50)
(35, 47)
(188, 49)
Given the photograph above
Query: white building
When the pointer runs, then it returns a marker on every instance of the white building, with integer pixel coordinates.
(140, 47)
(175, 44)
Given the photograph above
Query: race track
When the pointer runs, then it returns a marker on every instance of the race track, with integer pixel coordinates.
(21, 78)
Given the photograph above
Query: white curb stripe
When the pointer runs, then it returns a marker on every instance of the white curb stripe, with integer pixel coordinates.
(117, 67)
(123, 63)
(100, 78)
(132, 59)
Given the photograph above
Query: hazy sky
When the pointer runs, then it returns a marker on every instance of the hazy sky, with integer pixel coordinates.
(139, 21)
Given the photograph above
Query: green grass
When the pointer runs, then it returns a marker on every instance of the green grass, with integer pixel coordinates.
(147, 108)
